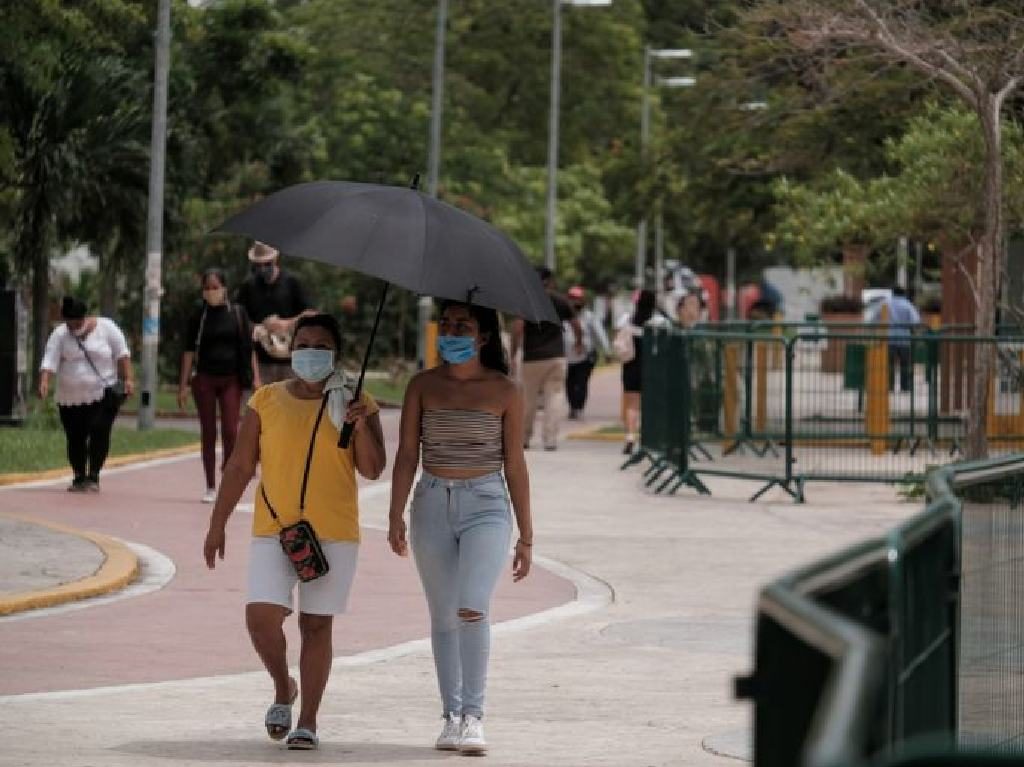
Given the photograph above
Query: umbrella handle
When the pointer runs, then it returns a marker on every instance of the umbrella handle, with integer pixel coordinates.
(346, 430)
(346, 435)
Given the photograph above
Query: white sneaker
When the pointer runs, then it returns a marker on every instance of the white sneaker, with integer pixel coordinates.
(449, 738)
(471, 740)
(210, 496)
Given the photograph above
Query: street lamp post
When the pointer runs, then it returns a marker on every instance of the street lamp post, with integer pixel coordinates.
(425, 305)
(645, 135)
(551, 215)
(153, 287)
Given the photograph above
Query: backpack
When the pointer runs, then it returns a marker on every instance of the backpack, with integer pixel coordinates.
(622, 345)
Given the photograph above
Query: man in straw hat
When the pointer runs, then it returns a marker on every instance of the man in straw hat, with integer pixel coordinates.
(274, 300)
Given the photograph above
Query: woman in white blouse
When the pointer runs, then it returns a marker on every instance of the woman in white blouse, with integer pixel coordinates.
(87, 354)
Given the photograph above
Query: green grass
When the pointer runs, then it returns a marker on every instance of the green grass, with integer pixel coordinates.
(614, 429)
(381, 389)
(35, 448)
(386, 390)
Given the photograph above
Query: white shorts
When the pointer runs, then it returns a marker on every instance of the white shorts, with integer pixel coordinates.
(272, 577)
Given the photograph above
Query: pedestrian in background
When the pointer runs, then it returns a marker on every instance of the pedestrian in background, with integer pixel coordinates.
(544, 365)
(305, 476)
(632, 326)
(90, 357)
(902, 316)
(690, 309)
(218, 340)
(581, 362)
(274, 300)
(465, 417)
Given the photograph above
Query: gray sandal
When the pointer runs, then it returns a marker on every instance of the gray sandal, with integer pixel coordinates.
(278, 720)
(302, 739)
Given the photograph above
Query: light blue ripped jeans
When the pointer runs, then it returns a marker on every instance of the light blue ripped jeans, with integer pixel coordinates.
(460, 533)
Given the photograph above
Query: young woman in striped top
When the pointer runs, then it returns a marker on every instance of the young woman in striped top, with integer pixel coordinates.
(465, 418)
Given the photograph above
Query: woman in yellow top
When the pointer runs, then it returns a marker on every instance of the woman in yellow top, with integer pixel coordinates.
(275, 434)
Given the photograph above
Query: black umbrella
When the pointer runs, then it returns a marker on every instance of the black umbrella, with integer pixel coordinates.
(402, 236)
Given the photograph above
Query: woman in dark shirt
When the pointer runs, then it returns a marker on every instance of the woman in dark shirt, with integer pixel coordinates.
(219, 340)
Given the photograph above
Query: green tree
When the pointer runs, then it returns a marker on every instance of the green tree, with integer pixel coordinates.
(975, 51)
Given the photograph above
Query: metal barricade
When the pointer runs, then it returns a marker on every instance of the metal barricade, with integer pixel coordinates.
(896, 650)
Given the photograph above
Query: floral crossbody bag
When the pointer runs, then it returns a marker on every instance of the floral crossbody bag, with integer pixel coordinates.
(299, 541)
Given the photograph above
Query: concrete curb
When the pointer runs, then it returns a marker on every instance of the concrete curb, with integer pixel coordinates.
(120, 567)
(596, 435)
(113, 461)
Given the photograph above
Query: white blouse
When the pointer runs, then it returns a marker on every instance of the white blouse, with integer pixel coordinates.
(77, 382)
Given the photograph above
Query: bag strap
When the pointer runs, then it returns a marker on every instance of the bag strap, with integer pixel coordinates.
(88, 359)
(199, 335)
(305, 472)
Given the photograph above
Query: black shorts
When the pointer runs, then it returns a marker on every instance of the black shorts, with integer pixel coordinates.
(631, 378)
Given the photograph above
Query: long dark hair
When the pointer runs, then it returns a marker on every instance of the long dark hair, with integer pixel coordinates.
(645, 303)
(213, 271)
(492, 353)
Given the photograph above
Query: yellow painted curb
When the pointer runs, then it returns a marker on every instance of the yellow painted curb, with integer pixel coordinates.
(120, 567)
(117, 460)
(596, 435)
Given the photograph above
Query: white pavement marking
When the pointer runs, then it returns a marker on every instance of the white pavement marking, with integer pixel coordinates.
(591, 594)
(155, 571)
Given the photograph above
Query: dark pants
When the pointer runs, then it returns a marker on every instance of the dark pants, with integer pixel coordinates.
(210, 391)
(577, 383)
(87, 428)
(899, 355)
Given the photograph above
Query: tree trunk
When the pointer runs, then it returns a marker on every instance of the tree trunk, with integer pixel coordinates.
(108, 285)
(40, 307)
(990, 268)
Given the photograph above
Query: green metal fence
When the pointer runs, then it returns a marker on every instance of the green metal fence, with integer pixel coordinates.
(849, 404)
(895, 652)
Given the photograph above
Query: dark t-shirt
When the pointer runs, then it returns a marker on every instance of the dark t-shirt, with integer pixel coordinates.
(284, 297)
(223, 342)
(544, 340)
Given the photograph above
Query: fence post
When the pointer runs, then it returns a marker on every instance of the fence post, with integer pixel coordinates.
(788, 348)
(686, 344)
(748, 385)
(931, 370)
(876, 411)
(761, 418)
(778, 351)
(730, 402)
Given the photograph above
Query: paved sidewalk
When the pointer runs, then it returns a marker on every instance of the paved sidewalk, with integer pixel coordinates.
(33, 557)
(643, 680)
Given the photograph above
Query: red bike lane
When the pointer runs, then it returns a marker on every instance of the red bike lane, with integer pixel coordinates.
(193, 626)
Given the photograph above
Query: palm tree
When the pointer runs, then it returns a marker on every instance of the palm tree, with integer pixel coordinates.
(80, 167)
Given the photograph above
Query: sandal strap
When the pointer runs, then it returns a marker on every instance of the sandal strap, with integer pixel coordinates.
(279, 715)
(302, 734)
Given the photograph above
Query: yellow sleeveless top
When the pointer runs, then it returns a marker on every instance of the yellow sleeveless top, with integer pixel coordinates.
(332, 495)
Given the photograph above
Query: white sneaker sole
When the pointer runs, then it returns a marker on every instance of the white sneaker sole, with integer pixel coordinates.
(472, 749)
(446, 746)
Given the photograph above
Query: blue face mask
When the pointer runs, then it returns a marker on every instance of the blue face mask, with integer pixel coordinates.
(456, 349)
(313, 365)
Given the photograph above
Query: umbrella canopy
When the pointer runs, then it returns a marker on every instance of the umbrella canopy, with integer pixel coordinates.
(402, 236)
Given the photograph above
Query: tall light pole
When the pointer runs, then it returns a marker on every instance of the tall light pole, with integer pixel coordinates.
(155, 221)
(551, 215)
(645, 136)
(425, 305)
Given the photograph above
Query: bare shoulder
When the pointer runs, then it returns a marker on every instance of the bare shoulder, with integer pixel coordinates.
(423, 380)
(506, 387)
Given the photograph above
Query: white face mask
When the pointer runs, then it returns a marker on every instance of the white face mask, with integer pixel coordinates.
(313, 365)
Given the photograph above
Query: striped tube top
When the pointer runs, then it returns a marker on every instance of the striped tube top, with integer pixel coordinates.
(461, 439)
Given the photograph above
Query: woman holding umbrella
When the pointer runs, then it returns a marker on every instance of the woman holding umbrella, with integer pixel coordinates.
(291, 432)
(465, 419)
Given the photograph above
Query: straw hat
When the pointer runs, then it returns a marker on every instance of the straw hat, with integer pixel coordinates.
(261, 253)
